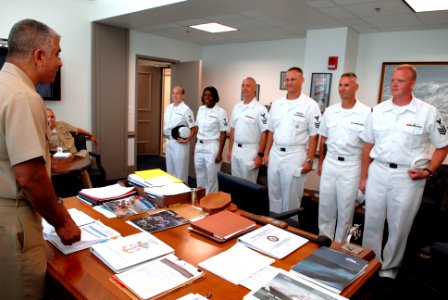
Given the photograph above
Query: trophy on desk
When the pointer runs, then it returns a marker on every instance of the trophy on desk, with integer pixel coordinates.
(353, 231)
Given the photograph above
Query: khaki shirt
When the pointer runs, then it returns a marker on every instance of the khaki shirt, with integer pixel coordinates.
(61, 136)
(24, 130)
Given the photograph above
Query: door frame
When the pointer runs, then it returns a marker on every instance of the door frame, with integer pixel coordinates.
(156, 60)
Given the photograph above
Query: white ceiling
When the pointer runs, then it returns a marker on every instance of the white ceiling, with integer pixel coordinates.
(261, 20)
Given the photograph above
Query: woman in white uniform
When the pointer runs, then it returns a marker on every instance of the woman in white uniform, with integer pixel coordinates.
(212, 127)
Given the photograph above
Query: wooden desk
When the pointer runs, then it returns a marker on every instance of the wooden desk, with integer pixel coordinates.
(86, 277)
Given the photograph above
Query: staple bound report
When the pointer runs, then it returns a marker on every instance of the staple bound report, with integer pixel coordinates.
(273, 241)
(131, 250)
(330, 268)
(158, 277)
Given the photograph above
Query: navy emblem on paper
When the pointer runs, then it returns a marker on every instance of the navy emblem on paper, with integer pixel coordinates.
(316, 122)
(264, 119)
(442, 128)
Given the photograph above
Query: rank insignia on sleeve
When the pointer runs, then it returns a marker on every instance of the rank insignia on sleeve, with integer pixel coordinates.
(316, 122)
(442, 128)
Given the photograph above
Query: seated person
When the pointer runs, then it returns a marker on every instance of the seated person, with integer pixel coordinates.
(61, 134)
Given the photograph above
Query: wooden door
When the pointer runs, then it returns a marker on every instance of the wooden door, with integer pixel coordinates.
(148, 106)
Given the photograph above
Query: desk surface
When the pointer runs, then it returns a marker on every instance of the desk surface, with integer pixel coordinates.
(86, 277)
(70, 164)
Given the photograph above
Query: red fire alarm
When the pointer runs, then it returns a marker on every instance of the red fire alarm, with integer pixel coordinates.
(332, 62)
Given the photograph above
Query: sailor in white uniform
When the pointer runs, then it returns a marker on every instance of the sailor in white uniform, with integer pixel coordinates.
(397, 132)
(293, 122)
(213, 125)
(340, 165)
(178, 149)
(248, 131)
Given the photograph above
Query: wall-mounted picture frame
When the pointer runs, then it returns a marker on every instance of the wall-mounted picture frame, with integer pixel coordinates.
(431, 85)
(320, 89)
(282, 80)
(257, 93)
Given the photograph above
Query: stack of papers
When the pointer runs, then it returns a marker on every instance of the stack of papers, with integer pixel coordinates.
(237, 263)
(111, 192)
(92, 232)
(128, 206)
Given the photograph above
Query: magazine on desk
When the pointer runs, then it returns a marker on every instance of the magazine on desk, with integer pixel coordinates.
(128, 206)
(330, 268)
(157, 277)
(124, 253)
(158, 221)
(92, 232)
(273, 241)
(287, 286)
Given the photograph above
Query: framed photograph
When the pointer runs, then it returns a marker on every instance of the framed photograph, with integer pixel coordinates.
(282, 80)
(257, 93)
(431, 85)
(320, 89)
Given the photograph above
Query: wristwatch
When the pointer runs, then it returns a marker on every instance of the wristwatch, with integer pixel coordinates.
(260, 154)
(310, 161)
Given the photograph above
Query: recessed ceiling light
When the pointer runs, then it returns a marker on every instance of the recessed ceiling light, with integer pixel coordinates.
(213, 27)
(425, 5)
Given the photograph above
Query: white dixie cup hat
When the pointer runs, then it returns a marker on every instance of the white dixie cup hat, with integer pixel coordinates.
(421, 161)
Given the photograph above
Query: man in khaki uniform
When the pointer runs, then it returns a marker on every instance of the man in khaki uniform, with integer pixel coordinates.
(26, 192)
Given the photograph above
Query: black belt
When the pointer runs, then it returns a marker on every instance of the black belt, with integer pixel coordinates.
(393, 166)
(283, 149)
(340, 158)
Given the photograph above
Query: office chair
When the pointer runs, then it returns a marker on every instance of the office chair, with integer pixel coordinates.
(247, 195)
(97, 173)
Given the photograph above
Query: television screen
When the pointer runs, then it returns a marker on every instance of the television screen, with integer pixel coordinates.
(48, 91)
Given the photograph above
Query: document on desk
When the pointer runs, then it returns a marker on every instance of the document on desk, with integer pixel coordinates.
(92, 232)
(158, 277)
(273, 241)
(287, 286)
(174, 188)
(237, 263)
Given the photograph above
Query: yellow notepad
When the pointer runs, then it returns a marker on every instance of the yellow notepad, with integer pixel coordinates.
(153, 173)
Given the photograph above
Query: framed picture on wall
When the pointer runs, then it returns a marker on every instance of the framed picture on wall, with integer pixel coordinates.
(282, 80)
(320, 89)
(431, 85)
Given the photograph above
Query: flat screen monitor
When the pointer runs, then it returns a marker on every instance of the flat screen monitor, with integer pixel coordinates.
(48, 91)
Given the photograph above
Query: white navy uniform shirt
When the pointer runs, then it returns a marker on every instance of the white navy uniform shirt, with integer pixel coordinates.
(177, 115)
(211, 121)
(249, 121)
(342, 127)
(400, 137)
(294, 121)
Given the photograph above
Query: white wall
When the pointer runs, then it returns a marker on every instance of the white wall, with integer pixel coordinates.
(71, 21)
(156, 47)
(225, 66)
(408, 46)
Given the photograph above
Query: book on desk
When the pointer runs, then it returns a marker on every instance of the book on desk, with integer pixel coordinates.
(287, 286)
(330, 268)
(158, 221)
(157, 277)
(129, 251)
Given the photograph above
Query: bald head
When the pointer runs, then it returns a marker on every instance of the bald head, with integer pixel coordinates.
(248, 89)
